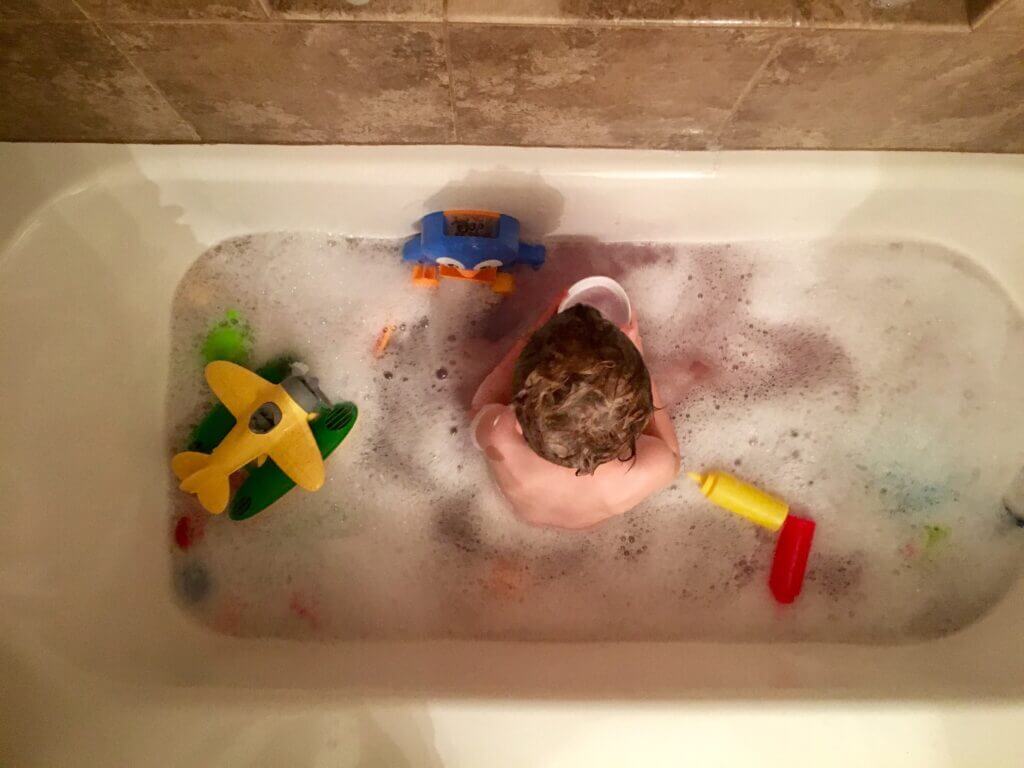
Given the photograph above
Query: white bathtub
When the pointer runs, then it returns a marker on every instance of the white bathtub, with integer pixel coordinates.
(98, 666)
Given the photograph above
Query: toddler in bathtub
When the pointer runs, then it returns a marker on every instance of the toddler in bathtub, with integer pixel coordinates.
(569, 421)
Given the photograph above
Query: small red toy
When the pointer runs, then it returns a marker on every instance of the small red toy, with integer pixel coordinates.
(790, 562)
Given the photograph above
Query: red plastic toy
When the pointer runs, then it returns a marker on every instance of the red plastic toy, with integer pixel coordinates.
(790, 562)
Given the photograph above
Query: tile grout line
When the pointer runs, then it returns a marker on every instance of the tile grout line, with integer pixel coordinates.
(794, 19)
(754, 79)
(975, 21)
(135, 67)
(795, 24)
(575, 22)
(446, 35)
(806, 29)
(268, 12)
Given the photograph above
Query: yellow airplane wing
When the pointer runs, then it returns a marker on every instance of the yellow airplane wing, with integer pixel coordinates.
(298, 457)
(235, 386)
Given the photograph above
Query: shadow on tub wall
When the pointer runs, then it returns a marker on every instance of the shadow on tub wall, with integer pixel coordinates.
(524, 196)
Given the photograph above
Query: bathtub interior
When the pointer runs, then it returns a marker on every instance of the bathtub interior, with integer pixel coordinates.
(874, 384)
(97, 241)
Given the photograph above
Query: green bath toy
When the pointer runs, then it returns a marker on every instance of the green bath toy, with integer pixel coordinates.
(229, 339)
(934, 535)
(266, 484)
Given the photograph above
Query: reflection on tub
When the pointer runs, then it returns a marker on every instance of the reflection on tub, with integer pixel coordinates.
(874, 385)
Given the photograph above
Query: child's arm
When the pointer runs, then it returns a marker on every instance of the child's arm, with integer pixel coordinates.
(660, 425)
(497, 386)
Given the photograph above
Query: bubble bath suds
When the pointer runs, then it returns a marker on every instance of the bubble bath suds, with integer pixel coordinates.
(875, 386)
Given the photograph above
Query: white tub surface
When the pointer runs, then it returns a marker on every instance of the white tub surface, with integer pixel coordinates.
(98, 666)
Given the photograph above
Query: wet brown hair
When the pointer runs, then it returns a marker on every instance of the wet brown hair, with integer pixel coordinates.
(582, 393)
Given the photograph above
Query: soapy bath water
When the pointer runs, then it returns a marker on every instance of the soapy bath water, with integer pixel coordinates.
(874, 386)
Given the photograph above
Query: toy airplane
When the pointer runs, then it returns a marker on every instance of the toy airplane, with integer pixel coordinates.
(271, 420)
(480, 246)
(268, 483)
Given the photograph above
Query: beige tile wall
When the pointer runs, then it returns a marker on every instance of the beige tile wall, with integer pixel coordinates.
(681, 74)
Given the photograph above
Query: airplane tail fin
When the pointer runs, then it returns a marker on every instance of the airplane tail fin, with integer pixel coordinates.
(211, 485)
(188, 463)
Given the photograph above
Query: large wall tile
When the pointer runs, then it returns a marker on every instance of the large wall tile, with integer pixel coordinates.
(1005, 17)
(39, 10)
(66, 82)
(373, 10)
(925, 14)
(152, 10)
(300, 83)
(867, 90)
(770, 12)
(599, 87)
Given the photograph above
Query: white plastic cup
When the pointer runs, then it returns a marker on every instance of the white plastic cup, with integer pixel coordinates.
(603, 294)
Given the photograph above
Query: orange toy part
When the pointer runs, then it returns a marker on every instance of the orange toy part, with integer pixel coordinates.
(503, 283)
(425, 276)
(383, 339)
(475, 214)
(430, 276)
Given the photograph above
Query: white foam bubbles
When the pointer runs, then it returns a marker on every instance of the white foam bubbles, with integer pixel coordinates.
(875, 386)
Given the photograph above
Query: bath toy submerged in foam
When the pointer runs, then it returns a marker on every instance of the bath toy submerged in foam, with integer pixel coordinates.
(481, 246)
(383, 339)
(228, 339)
(789, 565)
(269, 420)
(728, 492)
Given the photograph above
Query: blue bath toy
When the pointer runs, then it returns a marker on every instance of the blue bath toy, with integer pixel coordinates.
(481, 246)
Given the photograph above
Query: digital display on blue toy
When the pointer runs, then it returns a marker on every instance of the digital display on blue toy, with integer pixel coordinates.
(471, 224)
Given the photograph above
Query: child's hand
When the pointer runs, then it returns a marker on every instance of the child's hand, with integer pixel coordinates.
(660, 425)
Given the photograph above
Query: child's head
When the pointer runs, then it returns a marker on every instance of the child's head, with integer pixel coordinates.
(582, 391)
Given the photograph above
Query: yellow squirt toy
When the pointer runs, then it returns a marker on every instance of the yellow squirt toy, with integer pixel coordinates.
(728, 492)
(270, 420)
